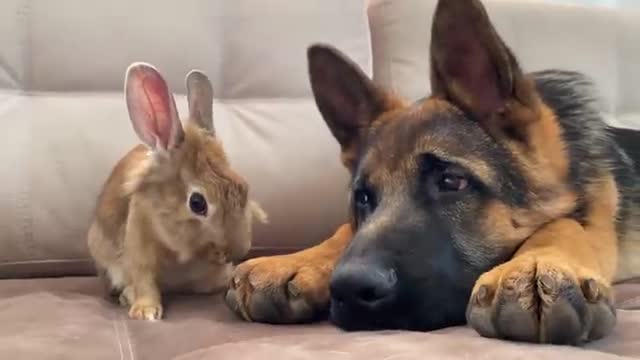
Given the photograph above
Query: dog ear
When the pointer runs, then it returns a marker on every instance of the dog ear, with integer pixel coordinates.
(347, 99)
(473, 68)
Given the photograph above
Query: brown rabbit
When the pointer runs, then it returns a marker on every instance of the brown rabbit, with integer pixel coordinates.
(172, 215)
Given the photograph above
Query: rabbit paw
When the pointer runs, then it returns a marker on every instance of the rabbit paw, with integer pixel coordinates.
(145, 310)
(126, 296)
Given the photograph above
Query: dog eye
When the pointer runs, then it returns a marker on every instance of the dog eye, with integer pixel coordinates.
(362, 197)
(452, 182)
(198, 204)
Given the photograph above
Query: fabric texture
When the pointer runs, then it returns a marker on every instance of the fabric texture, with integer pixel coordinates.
(66, 124)
(68, 319)
(600, 42)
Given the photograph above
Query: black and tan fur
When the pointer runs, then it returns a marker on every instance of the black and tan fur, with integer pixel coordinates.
(502, 200)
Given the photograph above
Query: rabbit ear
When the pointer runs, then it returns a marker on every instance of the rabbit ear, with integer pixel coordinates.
(152, 108)
(200, 98)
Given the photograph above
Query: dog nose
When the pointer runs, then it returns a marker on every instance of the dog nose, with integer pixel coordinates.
(363, 285)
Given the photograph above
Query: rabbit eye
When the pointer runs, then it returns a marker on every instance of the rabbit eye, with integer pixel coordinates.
(198, 204)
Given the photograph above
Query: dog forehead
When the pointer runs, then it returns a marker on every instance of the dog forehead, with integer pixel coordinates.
(430, 126)
(418, 124)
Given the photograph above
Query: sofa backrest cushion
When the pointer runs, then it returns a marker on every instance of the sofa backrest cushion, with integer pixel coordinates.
(601, 42)
(65, 121)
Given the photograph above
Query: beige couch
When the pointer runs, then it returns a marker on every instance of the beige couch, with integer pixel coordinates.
(65, 124)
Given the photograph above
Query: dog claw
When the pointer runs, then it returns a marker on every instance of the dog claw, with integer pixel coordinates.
(483, 298)
(547, 284)
(590, 290)
(292, 290)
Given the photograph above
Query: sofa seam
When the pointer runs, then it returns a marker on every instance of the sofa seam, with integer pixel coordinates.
(88, 259)
(80, 93)
(118, 338)
(29, 46)
(23, 195)
(632, 302)
(128, 337)
(44, 261)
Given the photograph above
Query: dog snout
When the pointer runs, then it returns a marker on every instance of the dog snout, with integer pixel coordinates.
(366, 286)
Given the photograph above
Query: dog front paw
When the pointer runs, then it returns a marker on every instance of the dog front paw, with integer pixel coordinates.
(543, 300)
(281, 289)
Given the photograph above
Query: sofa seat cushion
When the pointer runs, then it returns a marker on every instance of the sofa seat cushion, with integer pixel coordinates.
(67, 318)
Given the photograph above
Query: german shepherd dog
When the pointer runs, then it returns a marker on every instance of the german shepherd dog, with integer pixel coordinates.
(502, 200)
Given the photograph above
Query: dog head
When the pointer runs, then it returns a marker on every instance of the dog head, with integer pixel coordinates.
(444, 188)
